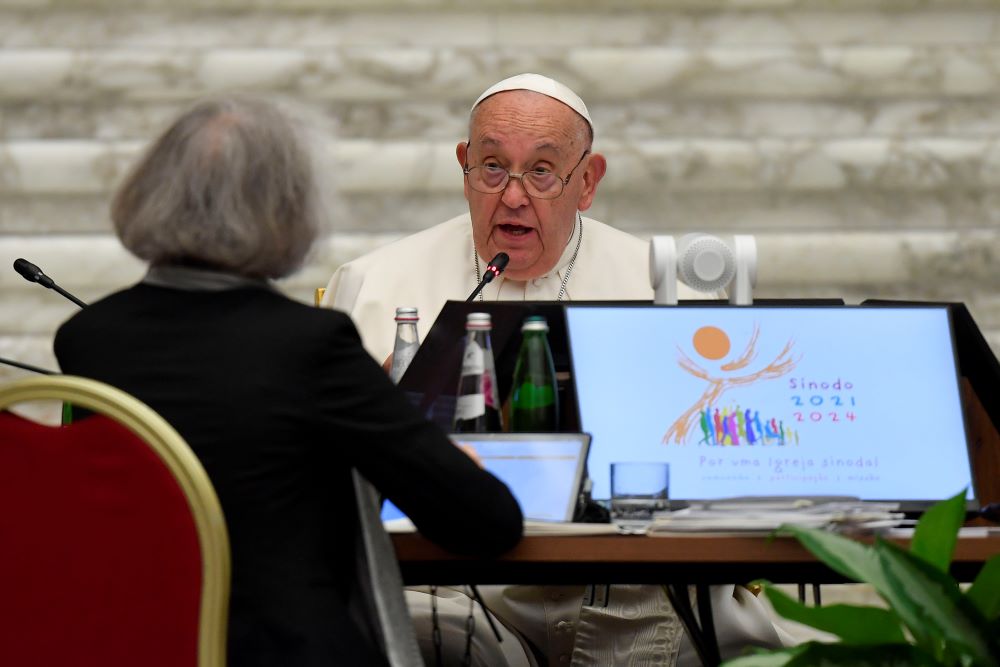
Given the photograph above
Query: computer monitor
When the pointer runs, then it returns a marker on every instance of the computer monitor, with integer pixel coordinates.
(774, 401)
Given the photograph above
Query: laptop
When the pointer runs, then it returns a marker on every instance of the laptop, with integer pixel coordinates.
(544, 471)
(784, 401)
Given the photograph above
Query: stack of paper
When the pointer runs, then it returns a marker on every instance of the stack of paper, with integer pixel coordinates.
(748, 515)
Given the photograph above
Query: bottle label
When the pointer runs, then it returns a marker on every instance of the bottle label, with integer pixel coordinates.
(470, 406)
(473, 361)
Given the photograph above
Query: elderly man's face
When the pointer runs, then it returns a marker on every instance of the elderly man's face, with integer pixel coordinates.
(521, 131)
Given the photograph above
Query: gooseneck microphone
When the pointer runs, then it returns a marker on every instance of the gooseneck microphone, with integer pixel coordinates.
(33, 274)
(26, 367)
(493, 269)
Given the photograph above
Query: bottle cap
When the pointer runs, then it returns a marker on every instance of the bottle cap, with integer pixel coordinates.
(406, 314)
(478, 321)
(535, 323)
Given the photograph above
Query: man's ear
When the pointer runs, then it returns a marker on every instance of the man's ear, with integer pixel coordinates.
(592, 175)
(462, 152)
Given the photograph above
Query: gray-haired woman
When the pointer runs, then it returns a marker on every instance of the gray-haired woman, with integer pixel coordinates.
(278, 399)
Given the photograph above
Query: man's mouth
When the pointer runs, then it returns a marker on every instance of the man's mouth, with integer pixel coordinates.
(515, 230)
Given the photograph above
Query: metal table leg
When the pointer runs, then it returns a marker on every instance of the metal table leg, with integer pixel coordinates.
(702, 635)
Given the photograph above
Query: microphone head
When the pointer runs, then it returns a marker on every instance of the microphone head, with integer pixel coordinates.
(495, 267)
(31, 272)
(499, 262)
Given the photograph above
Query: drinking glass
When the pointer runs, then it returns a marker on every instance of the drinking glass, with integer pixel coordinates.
(639, 488)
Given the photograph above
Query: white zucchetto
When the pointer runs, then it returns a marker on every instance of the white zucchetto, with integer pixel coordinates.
(540, 84)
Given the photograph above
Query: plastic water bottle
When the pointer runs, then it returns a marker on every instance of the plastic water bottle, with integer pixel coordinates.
(477, 408)
(407, 342)
(534, 406)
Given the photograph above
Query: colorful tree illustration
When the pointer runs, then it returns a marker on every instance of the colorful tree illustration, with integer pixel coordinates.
(713, 343)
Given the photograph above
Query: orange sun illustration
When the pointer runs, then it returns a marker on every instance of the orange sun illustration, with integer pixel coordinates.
(711, 342)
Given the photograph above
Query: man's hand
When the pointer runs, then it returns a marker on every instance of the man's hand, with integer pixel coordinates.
(387, 364)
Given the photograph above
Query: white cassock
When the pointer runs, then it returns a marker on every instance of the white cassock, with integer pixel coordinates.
(637, 625)
(438, 264)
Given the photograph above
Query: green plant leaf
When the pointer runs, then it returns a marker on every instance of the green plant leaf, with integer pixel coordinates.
(851, 559)
(766, 658)
(985, 590)
(937, 531)
(816, 654)
(932, 607)
(853, 624)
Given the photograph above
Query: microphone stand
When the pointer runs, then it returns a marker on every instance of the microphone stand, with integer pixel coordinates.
(69, 296)
(479, 288)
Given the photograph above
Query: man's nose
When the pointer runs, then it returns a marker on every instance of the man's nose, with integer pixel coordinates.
(514, 195)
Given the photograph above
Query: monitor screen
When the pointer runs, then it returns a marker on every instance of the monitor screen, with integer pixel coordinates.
(774, 401)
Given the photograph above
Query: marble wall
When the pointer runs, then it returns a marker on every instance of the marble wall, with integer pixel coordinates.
(859, 140)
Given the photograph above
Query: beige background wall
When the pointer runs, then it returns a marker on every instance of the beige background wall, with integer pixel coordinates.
(859, 140)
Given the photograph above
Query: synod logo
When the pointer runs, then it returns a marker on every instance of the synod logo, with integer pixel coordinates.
(715, 424)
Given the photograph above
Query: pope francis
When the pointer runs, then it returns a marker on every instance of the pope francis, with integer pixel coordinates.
(529, 172)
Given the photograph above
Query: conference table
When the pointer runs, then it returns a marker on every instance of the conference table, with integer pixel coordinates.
(675, 561)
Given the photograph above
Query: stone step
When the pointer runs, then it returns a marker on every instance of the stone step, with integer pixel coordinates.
(435, 73)
(320, 23)
(359, 166)
(719, 211)
(117, 120)
(512, 5)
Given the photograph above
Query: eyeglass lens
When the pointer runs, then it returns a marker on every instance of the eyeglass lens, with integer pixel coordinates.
(490, 179)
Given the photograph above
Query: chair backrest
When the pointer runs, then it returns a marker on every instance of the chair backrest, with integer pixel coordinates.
(382, 583)
(388, 617)
(113, 546)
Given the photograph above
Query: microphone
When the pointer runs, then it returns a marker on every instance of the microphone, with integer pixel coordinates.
(33, 274)
(26, 367)
(493, 269)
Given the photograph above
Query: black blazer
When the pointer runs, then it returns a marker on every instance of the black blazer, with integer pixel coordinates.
(279, 400)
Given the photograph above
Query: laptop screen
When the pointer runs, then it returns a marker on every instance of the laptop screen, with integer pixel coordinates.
(543, 471)
(774, 401)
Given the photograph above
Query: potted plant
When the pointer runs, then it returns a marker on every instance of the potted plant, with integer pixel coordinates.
(929, 620)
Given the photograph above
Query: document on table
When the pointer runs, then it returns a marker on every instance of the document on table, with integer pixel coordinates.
(750, 516)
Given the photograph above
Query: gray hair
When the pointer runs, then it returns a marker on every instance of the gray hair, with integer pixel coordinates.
(230, 186)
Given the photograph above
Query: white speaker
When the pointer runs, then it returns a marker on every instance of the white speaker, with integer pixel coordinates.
(706, 263)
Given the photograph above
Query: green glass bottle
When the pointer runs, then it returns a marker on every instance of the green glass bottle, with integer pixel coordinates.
(534, 406)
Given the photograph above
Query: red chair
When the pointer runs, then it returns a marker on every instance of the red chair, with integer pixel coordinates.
(113, 546)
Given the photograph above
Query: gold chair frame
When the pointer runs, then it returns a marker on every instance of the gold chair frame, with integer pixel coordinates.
(185, 467)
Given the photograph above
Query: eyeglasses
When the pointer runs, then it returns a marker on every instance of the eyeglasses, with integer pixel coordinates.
(540, 183)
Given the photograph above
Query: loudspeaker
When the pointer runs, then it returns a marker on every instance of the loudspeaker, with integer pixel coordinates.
(706, 263)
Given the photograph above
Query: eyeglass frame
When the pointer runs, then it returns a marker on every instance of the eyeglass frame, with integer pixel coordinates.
(520, 177)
